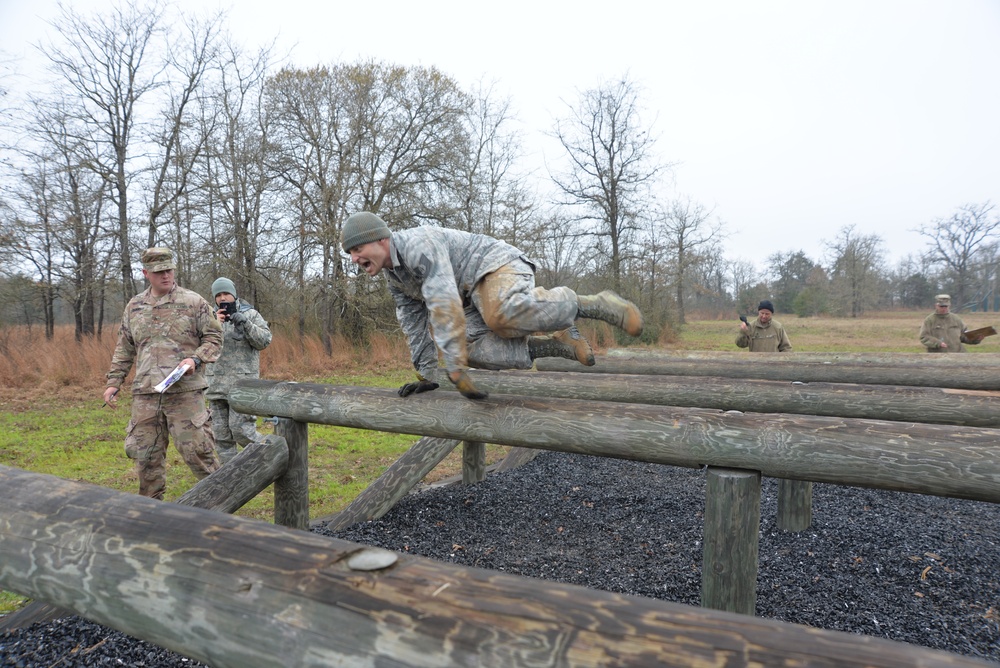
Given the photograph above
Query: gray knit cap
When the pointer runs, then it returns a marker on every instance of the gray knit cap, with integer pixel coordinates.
(223, 284)
(362, 228)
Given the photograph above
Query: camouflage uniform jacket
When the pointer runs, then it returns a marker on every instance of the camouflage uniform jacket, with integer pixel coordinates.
(246, 334)
(433, 272)
(157, 333)
(942, 328)
(770, 338)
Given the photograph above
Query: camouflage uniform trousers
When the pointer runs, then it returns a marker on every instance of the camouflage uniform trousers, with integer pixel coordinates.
(506, 308)
(182, 415)
(231, 428)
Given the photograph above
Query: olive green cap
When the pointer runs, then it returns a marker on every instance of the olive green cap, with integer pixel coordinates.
(362, 228)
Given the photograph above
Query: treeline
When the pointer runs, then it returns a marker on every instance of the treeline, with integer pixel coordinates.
(163, 130)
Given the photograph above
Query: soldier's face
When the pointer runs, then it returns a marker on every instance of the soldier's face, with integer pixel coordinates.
(224, 297)
(941, 308)
(160, 282)
(373, 257)
(763, 316)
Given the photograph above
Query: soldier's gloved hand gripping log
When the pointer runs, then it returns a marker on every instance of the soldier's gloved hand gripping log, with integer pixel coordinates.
(422, 385)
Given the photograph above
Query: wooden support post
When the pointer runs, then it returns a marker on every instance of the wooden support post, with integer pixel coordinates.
(794, 504)
(291, 491)
(402, 476)
(732, 524)
(516, 457)
(473, 462)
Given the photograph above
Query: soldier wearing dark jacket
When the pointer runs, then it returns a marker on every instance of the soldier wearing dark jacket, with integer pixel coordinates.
(163, 327)
(763, 334)
(474, 298)
(246, 334)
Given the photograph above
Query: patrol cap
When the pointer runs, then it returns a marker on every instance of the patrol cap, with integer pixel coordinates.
(157, 259)
(943, 300)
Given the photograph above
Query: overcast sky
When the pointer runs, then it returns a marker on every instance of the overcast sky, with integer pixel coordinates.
(791, 119)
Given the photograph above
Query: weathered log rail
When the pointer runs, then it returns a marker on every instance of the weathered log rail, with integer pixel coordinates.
(960, 462)
(233, 592)
(870, 359)
(971, 408)
(786, 366)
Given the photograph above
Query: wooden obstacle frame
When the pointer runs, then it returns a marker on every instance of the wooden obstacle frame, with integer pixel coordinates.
(223, 575)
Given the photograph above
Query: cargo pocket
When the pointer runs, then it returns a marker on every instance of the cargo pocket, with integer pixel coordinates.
(131, 448)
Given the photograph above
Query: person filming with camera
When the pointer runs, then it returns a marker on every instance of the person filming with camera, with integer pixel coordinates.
(245, 333)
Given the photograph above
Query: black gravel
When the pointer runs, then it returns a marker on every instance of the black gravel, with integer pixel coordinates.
(911, 568)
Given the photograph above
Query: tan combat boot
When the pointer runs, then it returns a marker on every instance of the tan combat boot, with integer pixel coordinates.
(569, 344)
(612, 309)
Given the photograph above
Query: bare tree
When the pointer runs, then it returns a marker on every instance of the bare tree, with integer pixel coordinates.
(487, 189)
(956, 242)
(743, 278)
(857, 269)
(612, 166)
(693, 237)
(104, 63)
(179, 149)
(237, 177)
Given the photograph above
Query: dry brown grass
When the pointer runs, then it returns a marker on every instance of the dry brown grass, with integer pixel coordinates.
(30, 363)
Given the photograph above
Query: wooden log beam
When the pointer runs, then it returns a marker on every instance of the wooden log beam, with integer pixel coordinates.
(871, 359)
(784, 367)
(879, 402)
(233, 592)
(959, 462)
(240, 480)
(395, 483)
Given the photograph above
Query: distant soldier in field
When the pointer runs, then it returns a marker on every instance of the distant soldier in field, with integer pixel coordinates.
(943, 331)
(474, 298)
(162, 327)
(763, 334)
(246, 334)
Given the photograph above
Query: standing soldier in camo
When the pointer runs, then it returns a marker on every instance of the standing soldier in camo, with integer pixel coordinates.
(474, 298)
(246, 334)
(163, 327)
(943, 331)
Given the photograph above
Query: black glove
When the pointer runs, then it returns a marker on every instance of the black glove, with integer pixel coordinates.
(466, 386)
(422, 385)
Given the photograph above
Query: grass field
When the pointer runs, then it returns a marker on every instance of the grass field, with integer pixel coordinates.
(51, 419)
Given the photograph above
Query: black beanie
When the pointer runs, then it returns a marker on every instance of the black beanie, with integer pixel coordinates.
(362, 228)
(766, 304)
